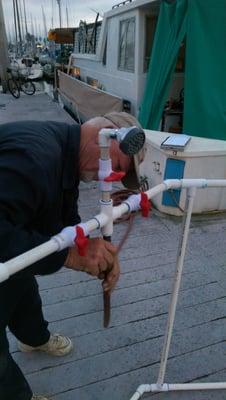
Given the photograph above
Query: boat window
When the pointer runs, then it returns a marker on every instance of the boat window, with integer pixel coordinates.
(150, 26)
(127, 45)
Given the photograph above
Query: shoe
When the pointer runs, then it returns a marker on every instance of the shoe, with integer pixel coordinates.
(34, 397)
(57, 345)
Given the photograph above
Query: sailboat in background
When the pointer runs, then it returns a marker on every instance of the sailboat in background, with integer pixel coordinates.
(31, 51)
(24, 59)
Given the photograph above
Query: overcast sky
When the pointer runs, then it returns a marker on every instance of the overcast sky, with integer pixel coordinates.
(77, 10)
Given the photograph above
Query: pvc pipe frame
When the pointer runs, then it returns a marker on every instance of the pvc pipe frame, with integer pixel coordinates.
(169, 387)
(61, 241)
(160, 386)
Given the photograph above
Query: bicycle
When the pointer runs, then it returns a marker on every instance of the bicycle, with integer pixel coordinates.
(19, 83)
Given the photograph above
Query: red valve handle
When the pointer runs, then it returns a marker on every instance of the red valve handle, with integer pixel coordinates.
(145, 204)
(81, 241)
(114, 177)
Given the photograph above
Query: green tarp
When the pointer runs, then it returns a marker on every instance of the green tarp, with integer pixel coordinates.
(203, 24)
(170, 31)
(205, 70)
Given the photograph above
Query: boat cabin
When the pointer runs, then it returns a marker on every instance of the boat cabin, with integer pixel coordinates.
(109, 65)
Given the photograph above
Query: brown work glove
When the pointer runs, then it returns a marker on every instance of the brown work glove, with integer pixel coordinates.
(100, 258)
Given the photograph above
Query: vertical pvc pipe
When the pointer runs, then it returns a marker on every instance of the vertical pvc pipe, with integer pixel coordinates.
(177, 280)
(106, 205)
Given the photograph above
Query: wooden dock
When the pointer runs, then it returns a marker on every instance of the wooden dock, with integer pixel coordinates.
(111, 363)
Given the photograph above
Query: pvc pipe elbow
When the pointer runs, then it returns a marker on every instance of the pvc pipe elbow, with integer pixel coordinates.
(140, 391)
(172, 183)
(104, 137)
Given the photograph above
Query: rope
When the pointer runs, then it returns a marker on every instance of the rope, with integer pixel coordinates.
(118, 197)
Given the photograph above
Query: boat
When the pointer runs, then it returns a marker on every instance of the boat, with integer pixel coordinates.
(164, 62)
(109, 64)
(144, 57)
(26, 66)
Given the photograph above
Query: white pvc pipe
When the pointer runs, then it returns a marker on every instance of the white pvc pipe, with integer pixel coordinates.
(176, 284)
(118, 211)
(172, 184)
(22, 261)
(107, 209)
(96, 222)
(18, 263)
(168, 387)
(196, 386)
(140, 391)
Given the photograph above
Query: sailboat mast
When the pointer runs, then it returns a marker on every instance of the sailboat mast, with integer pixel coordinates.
(60, 17)
(36, 29)
(15, 21)
(25, 17)
(44, 23)
(67, 17)
(21, 20)
(32, 26)
(52, 16)
(9, 34)
(18, 25)
(4, 57)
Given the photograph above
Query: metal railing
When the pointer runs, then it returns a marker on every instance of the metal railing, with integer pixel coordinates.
(123, 3)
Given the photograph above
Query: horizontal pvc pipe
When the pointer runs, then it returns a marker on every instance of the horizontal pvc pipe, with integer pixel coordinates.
(170, 387)
(96, 222)
(22, 261)
(188, 386)
(203, 183)
(123, 208)
(198, 183)
(18, 263)
(172, 184)
(118, 211)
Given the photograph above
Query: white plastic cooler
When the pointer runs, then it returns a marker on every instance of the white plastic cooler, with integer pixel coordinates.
(201, 158)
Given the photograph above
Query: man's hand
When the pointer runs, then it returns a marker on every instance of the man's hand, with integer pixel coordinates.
(100, 257)
(111, 278)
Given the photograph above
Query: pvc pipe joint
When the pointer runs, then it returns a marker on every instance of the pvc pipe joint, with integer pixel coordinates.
(66, 238)
(140, 391)
(107, 209)
(104, 137)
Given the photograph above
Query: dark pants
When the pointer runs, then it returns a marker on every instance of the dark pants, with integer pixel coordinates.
(21, 311)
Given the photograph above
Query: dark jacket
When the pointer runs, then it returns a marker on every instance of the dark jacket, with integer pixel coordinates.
(39, 178)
